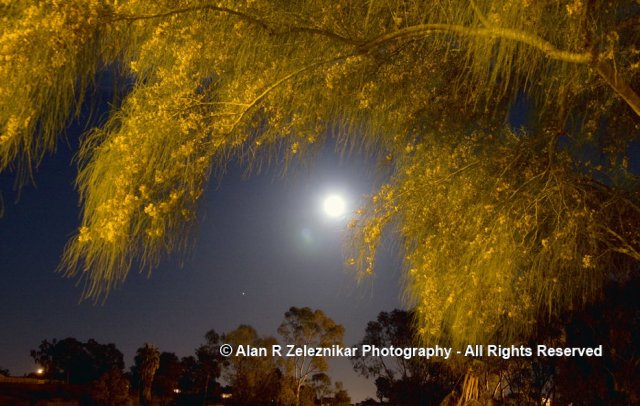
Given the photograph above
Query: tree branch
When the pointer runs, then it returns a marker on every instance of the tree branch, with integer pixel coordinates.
(614, 80)
(205, 7)
(479, 14)
(287, 29)
(421, 30)
(278, 82)
(603, 68)
(552, 52)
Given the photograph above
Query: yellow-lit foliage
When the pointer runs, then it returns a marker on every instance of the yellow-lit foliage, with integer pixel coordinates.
(499, 229)
(48, 53)
(499, 238)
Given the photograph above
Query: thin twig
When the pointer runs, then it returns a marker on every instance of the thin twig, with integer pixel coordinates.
(285, 78)
(479, 14)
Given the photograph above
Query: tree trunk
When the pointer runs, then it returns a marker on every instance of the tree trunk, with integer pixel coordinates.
(206, 389)
(298, 394)
(145, 394)
(470, 390)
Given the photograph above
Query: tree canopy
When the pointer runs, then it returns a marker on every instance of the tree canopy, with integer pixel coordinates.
(147, 362)
(72, 361)
(255, 380)
(112, 389)
(167, 376)
(313, 328)
(502, 227)
(399, 380)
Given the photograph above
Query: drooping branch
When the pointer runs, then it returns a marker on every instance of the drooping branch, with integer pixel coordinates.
(551, 51)
(535, 41)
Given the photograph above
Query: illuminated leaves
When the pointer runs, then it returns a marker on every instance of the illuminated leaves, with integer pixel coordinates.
(48, 50)
(500, 236)
(501, 230)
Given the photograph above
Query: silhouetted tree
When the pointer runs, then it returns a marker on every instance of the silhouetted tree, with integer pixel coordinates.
(411, 381)
(111, 389)
(341, 396)
(384, 388)
(72, 361)
(395, 328)
(165, 382)
(197, 382)
(191, 381)
(614, 378)
(210, 362)
(147, 362)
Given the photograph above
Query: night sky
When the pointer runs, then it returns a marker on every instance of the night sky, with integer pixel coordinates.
(262, 245)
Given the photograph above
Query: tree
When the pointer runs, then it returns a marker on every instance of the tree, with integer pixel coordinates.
(402, 381)
(321, 384)
(341, 397)
(4, 372)
(254, 380)
(501, 228)
(197, 381)
(612, 323)
(190, 380)
(287, 395)
(111, 389)
(72, 361)
(389, 329)
(147, 362)
(167, 376)
(209, 361)
(303, 326)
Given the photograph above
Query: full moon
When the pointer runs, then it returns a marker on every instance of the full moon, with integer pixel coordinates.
(334, 206)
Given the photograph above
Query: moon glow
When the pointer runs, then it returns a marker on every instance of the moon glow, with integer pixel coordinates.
(334, 206)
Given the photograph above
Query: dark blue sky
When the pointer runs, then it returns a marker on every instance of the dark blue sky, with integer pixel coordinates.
(265, 236)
